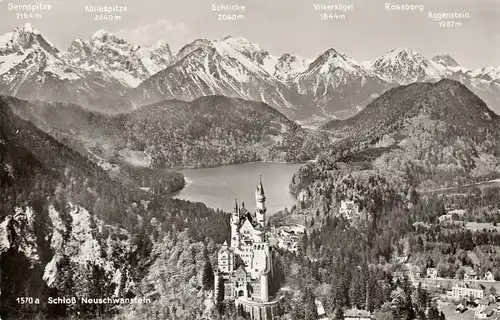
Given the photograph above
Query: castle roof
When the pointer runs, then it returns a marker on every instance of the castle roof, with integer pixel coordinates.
(468, 285)
(225, 248)
(236, 205)
(260, 187)
(240, 270)
(248, 216)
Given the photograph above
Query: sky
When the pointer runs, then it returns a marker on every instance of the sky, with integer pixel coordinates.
(283, 26)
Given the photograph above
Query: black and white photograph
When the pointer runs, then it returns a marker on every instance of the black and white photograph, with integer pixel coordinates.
(249, 160)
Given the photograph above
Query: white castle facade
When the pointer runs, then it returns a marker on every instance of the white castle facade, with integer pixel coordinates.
(244, 267)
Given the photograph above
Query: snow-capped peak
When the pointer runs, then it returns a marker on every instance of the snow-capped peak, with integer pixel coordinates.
(445, 60)
(100, 34)
(242, 41)
(401, 54)
(289, 65)
(24, 38)
(404, 66)
(487, 73)
(331, 59)
(130, 64)
(228, 45)
(160, 44)
(28, 28)
(190, 47)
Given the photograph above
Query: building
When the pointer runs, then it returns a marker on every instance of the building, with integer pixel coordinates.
(244, 267)
(469, 273)
(488, 276)
(464, 289)
(483, 303)
(484, 313)
(356, 314)
(348, 209)
(445, 218)
(432, 273)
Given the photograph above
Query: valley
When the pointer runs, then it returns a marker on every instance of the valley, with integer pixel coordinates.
(234, 170)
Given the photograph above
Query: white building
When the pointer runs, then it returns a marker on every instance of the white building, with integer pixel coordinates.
(470, 273)
(348, 209)
(432, 273)
(445, 218)
(356, 314)
(464, 289)
(488, 276)
(244, 267)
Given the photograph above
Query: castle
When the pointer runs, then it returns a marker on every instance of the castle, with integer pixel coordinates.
(244, 266)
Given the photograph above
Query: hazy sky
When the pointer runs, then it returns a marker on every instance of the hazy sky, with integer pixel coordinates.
(281, 26)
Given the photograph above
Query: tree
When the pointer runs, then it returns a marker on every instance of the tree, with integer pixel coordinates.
(433, 313)
(220, 292)
(208, 276)
(309, 302)
(357, 290)
(493, 290)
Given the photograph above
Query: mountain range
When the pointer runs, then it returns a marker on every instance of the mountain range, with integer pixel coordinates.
(107, 74)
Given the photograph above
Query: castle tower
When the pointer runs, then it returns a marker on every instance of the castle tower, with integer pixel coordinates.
(260, 198)
(264, 286)
(235, 219)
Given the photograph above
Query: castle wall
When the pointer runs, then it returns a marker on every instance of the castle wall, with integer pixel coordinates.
(264, 285)
(257, 311)
(225, 261)
(260, 258)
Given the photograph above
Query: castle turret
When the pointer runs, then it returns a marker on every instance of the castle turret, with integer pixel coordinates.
(260, 198)
(258, 235)
(264, 286)
(235, 219)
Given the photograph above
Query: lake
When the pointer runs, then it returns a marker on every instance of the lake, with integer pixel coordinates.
(218, 187)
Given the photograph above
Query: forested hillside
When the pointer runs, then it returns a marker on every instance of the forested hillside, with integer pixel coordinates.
(411, 139)
(208, 131)
(66, 226)
(431, 135)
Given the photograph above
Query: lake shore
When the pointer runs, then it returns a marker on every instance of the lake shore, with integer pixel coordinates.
(218, 187)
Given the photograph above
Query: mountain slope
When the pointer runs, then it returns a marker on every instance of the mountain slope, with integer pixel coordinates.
(228, 66)
(422, 136)
(67, 229)
(208, 131)
(32, 68)
(288, 66)
(338, 85)
(48, 239)
(436, 134)
(405, 66)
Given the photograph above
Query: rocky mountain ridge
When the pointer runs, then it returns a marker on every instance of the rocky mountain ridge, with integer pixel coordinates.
(109, 74)
(34, 69)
